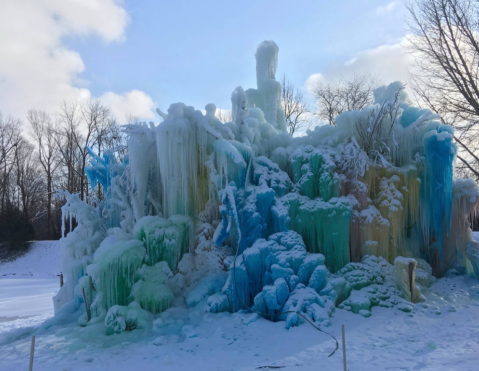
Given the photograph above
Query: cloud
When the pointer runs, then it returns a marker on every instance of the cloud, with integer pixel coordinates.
(381, 10)
(104, 17)
(312, 81)
(135, 103)
(388, 63)
(37, 70)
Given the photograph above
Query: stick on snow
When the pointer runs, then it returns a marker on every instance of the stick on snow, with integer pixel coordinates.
(344, 348)
(411, 281)
(31, 353)
(91, 289)
(86, 305)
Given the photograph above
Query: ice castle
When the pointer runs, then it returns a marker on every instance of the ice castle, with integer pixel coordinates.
(242, 215)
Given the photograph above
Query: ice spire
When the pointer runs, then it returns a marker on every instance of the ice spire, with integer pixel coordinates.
(268, 94)
(266, 63)
(239, 104)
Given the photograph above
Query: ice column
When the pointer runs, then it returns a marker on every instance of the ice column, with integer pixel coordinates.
(268, 94)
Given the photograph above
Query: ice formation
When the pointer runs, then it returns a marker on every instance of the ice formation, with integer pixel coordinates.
(243, 216)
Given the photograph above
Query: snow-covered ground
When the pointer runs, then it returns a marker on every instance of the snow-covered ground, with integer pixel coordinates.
(41, 261)
(440, 334)
(27, 286)
(475, 235)
(25, 302)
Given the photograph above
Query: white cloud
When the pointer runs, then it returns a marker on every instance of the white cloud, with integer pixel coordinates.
(312, 81)
(103, 17)
(37, 70)
(386, 8)
(135, 103)
(388, 63)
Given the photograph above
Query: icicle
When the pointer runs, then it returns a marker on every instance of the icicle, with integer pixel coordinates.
(440, 153)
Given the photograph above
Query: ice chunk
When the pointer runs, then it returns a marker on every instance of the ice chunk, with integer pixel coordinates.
(305, 300)
(217, 303)
(273, 297)
(118, 264)
(318, 278)
(337, 290)
(358, 301)
(129, 318)
(79, 245)
(152, 297)
(472, 250)
(404, 276)
(206, 287)
(165, 239)
(151, 290)
(423, 272)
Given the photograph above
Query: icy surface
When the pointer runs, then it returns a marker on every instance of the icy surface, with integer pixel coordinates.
(21, 298)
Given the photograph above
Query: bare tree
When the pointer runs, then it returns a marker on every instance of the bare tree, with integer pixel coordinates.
(67, 131)
(107, 135)
(106, 131)
(295, 108)
(374, 131)
(343, 95)
(31, 173)
(224, 115)
(19, 184)
(10, 139)
(446, 49)
(94, 115)
(30, 183)
(83, 126)
(43, 134)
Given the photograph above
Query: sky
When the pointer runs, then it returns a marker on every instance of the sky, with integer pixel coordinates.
(136, 55)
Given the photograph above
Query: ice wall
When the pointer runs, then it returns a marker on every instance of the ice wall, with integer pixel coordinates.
(241, 214)
(79, 245)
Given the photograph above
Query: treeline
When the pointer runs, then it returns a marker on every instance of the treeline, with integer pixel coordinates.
(45, 154)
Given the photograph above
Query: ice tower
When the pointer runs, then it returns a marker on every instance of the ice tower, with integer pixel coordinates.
(267, 96)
